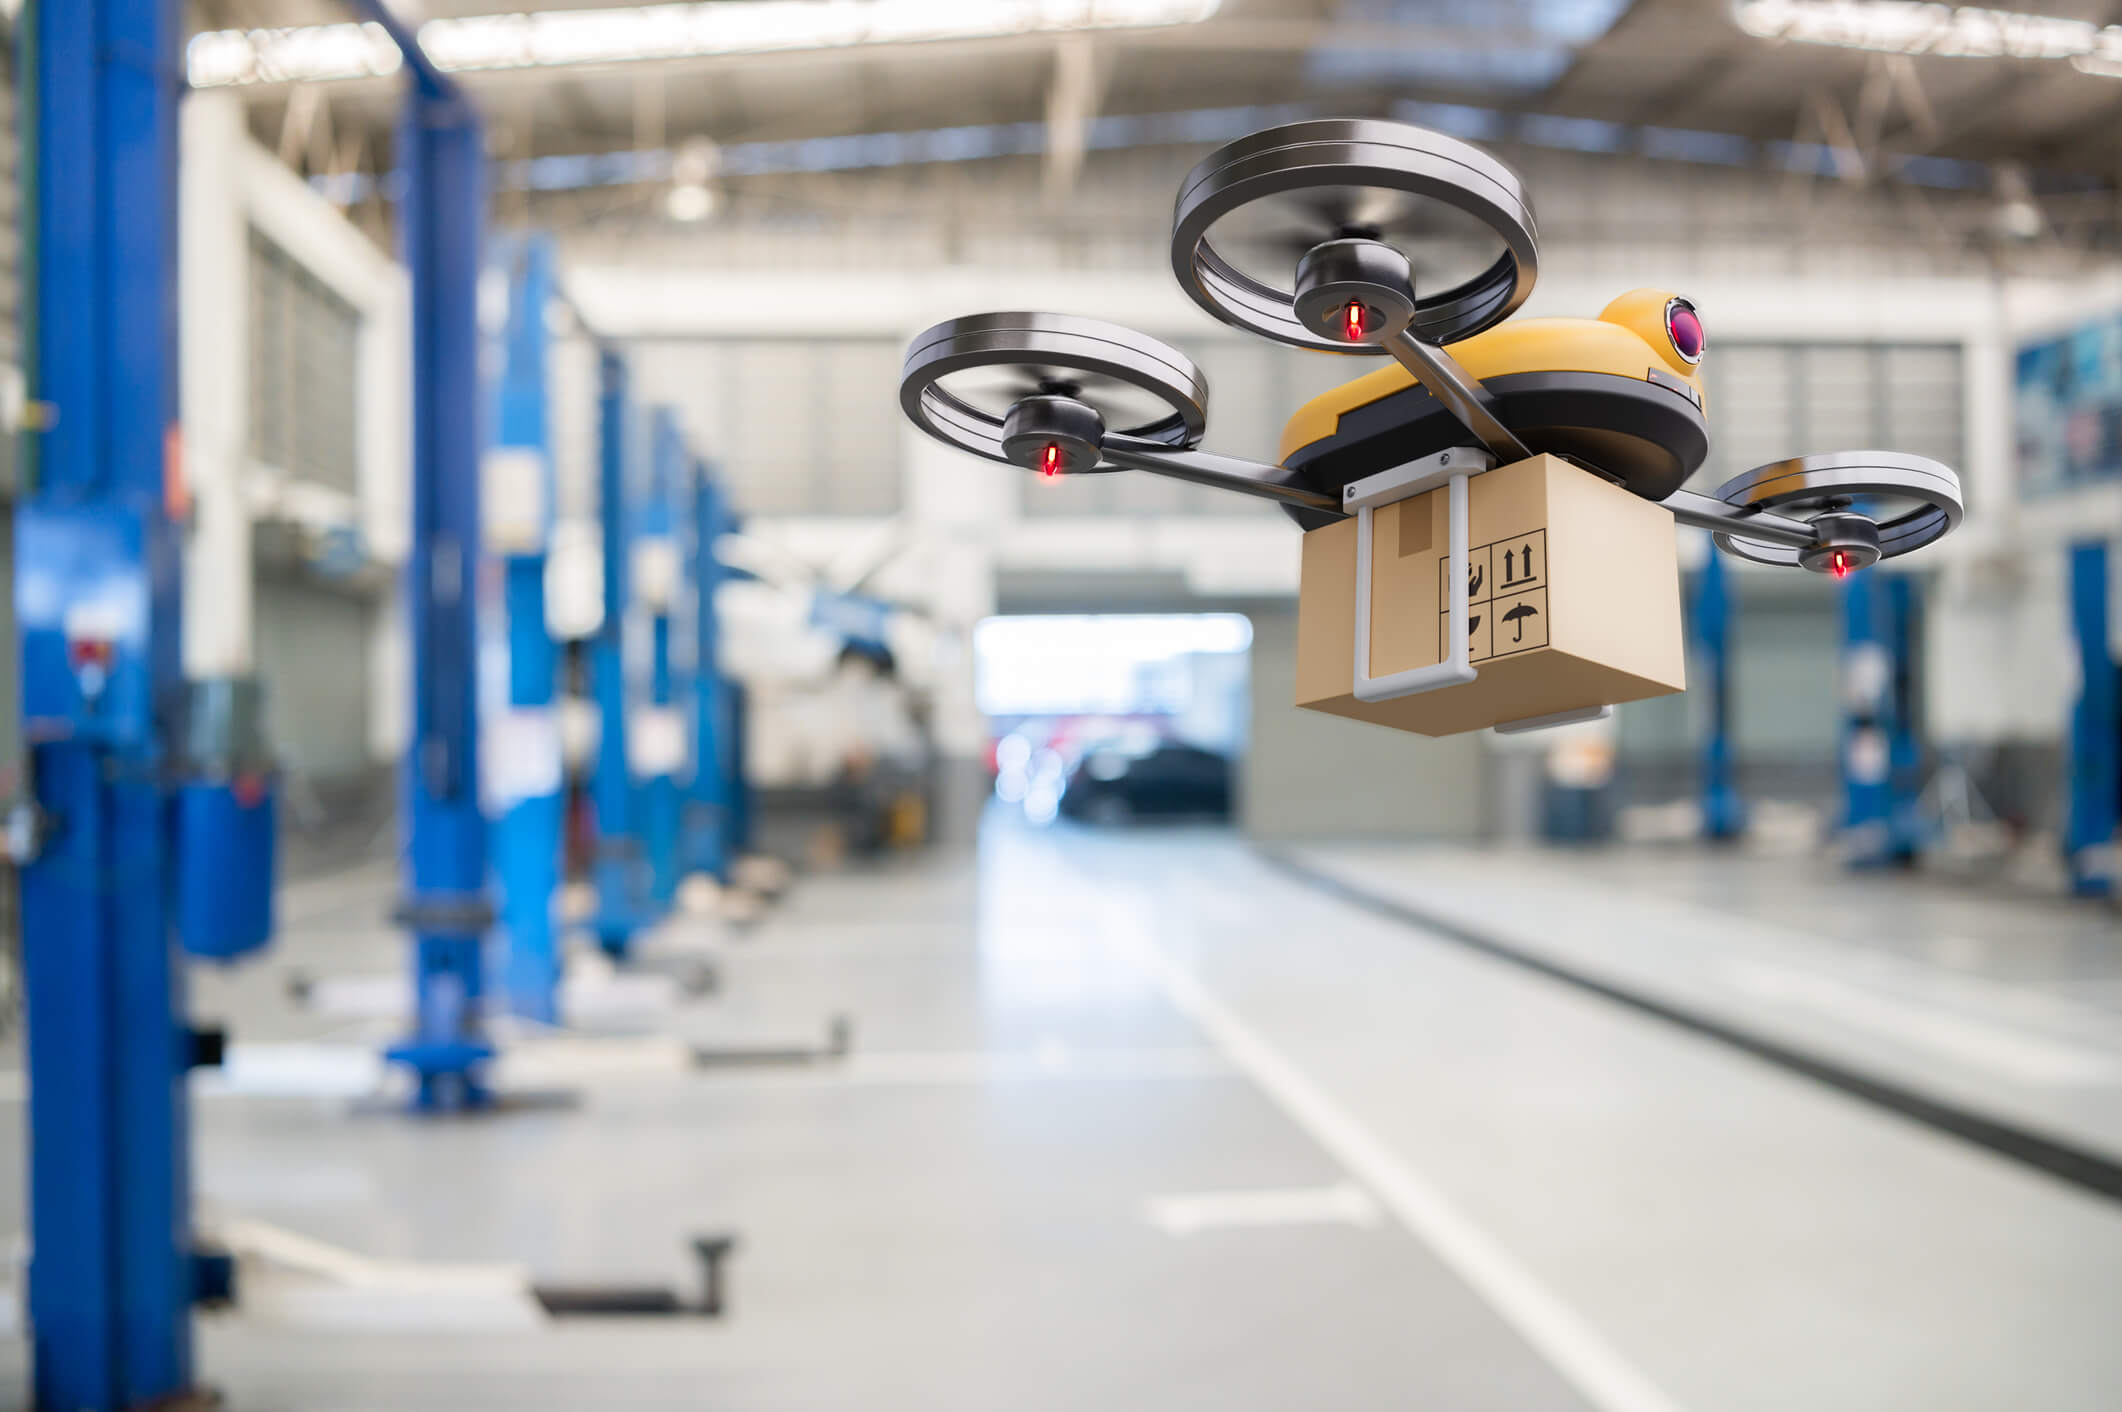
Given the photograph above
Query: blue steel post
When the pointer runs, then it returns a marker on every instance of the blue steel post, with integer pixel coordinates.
(1907, 833)
(111, 1276)
(527, 833)
(2092, 829)
(1881, 755)
(1723, 807)
(442, 217)
(617, 865)
(658, 540)
(743, 811)
(707, 847)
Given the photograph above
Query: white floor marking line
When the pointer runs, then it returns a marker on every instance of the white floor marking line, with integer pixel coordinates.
(309, 1070)
(1344, 1205)
(920, 1068)
(1574, 1348)
(358, 1071)
(294, 1070)
(289, 1278)
(593, 994)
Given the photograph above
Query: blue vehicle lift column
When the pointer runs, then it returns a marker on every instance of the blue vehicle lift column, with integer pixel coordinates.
(2092, 829)
(1723, 807)
(1881, 755)
(528, 780)
(660, 743)
(708, 845)
(442, 222)
(131, 843)
(617, 866)
(743, 807)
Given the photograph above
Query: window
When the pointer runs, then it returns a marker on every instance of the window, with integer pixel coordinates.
(794, 426)
(1768, 401)
(304, 347)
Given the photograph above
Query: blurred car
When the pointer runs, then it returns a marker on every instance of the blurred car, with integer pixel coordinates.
(1113, 786)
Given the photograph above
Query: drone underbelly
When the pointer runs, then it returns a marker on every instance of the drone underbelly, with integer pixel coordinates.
(1645, 436)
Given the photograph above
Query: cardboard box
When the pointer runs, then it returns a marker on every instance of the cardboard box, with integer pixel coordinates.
(1573, 586)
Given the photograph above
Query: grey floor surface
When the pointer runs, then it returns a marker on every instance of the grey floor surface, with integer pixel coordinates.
(2011, 1007)
(1443, 1182)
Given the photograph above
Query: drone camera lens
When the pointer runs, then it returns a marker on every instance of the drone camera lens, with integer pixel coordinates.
(1684, 327)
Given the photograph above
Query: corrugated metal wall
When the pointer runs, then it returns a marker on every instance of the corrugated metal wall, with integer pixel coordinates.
(811, 426)
(1771, 400)
(798, 426)
(313, 654)
(312, 648)
(1308, 775)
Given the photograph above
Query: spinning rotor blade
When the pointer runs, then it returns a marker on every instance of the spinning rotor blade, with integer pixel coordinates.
(994, 390)
(962, 379)
(1422, 193)
(1302, 219)
(1911, 500)
(1267, 237)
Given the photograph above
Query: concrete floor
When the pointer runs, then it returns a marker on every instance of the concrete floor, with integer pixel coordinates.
(1136, 1121)
(2009, 1006)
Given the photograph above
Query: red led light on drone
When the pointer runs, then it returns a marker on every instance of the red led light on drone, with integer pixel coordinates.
(1839, 564)
(1050, 460)
(1355, 321)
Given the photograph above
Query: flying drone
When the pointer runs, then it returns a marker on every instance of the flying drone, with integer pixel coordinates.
(1338, 205)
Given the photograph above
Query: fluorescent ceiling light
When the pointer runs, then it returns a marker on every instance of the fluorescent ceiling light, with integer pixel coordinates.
(1200, 126)
(1948, 31)
(310, 52)
(556, 38)
(689, 204)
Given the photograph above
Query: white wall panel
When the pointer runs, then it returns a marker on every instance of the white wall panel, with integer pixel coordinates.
(296, 408)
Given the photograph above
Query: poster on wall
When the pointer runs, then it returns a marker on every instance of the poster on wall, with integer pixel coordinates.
(2068, 406)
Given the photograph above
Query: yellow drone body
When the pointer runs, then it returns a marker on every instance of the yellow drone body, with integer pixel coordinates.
(1620, 395)
(1634, 337)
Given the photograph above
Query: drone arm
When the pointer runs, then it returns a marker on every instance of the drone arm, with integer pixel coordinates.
(1216, 472)
(1461, 393)
(1759, 525)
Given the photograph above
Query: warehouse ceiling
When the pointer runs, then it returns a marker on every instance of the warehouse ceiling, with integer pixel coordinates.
(1863, 92)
